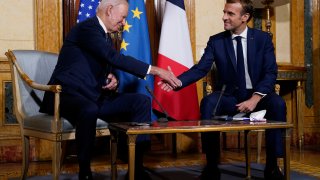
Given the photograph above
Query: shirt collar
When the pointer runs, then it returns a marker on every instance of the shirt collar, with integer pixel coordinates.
(243, 34)
(103, 26)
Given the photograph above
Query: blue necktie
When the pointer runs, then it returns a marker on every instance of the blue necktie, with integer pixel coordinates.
(109, 67)
(108, 39)
(241, 79)
(109, 42)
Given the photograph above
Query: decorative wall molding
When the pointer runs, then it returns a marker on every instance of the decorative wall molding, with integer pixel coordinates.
(48, 22)
(297, 33)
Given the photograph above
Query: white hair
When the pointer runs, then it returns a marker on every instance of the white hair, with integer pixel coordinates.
(105, 3)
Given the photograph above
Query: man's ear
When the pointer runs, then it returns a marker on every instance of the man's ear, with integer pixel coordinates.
(108, 10)
(245, 17)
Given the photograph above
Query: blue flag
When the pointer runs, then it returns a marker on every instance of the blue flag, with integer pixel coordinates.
(136, 43)
(87, 9)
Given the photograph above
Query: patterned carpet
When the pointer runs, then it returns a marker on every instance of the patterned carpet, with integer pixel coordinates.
(229, 172)
(306, 169)
(309, 170)
(187, 167)
(232, 168)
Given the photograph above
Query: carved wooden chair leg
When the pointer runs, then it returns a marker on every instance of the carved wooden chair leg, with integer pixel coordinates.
(113, 151)
(56, 157)
(25, 154)
(63, 151)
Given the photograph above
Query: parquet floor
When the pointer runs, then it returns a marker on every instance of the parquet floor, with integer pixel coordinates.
(306, 160)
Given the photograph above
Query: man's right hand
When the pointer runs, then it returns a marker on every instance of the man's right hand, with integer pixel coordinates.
(167, 76)
(165, 86)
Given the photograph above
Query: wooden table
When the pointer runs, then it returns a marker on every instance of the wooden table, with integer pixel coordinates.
(195, 126)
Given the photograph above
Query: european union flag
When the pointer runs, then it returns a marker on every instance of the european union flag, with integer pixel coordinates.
(87, 9)
(136, 43)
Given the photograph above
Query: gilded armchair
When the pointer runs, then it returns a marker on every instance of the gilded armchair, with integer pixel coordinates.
(31, 70)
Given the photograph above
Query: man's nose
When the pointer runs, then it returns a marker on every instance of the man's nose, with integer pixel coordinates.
(224, 17)
(123, 22)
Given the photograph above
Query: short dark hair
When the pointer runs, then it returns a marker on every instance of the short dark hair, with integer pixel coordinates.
(247, 7)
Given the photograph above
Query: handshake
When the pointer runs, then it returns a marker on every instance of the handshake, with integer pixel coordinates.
(169, 80)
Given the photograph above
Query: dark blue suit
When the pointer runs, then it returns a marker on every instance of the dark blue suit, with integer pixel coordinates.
(81, 70)
(262, 70)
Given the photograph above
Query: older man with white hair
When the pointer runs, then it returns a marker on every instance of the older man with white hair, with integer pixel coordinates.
(85, 71)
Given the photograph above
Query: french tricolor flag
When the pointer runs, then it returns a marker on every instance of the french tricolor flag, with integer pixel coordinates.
(175, 51)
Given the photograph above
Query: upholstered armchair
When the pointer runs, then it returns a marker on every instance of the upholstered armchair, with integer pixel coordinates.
(31, 71)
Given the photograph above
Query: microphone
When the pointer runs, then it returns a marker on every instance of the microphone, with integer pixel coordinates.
(161, 119)
(213, 116)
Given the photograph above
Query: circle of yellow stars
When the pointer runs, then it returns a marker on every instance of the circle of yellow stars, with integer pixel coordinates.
(126, 27)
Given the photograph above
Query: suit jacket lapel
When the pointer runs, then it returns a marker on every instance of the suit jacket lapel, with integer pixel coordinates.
(230, 49)
(250, 50)
(96, 22)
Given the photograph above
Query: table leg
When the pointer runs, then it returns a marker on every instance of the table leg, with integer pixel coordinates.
(259, 144)
(174, 144)
(114, 142)
(300, 114)
(132, 152)
(247, 153)
(286, 139)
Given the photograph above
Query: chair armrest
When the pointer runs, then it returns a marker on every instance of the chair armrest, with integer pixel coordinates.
(38, 86)
(30, 82)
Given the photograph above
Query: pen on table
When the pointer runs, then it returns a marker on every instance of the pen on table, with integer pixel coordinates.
(248, 119)
(241, 119)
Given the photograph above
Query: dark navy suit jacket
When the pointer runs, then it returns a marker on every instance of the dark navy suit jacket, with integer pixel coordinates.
(83, 61)
(262, 69)
(262, 65)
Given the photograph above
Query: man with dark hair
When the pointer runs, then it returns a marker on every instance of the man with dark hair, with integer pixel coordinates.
(246, 67)
(82, 72)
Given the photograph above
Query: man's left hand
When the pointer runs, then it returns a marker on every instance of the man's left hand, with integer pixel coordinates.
(111, 82)
(250, 104)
